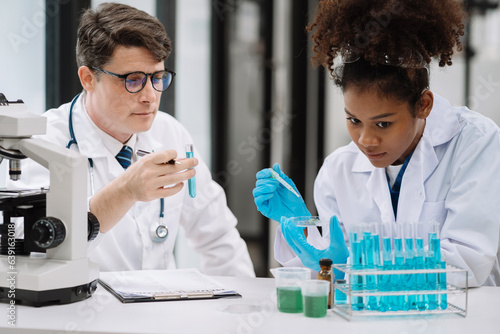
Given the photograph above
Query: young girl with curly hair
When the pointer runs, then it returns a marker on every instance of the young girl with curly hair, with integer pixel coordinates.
(413, 157)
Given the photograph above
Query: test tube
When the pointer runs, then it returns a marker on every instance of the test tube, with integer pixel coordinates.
(409, 265)
(435, 241)
(371, 251)
(357, 245)
(398, 301)
(384, 282)
(420, 279)
(375, 229)
(432, 261)
(443, 298)
(191, 181)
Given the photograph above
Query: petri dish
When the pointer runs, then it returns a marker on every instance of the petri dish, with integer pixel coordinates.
(308, 221)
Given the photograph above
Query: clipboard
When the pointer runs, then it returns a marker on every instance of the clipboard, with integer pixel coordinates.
(163, 285)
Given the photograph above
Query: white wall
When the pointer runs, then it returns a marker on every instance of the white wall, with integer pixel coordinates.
(22, 56)
(193, 67)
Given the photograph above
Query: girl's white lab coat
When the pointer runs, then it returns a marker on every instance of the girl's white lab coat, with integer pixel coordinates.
(209, 225)
(453, 177)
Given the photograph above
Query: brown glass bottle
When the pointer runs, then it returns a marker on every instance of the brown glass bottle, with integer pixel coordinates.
(326, 273)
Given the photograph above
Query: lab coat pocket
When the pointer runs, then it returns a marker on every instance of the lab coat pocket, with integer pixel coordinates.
(433, 211)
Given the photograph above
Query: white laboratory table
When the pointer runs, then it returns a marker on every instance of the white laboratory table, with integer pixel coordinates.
(255, 312)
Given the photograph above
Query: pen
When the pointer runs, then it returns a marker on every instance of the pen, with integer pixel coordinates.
(141, 153)
(276, 176)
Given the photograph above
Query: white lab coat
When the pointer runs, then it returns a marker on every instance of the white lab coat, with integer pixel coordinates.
(453, 177)
(209, 225)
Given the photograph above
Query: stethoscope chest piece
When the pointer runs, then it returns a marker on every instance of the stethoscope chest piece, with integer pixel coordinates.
(159, 232)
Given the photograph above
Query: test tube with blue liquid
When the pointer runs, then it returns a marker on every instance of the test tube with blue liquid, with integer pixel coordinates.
(397, 280)
(409, 284)
(357, 245)
(384, 282)
(372, 260)
(420, 279)
(443, 298)
(433, 261)
(191, 181)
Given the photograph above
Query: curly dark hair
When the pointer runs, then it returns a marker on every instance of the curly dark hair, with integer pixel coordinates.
(113, 24)
(372, 34)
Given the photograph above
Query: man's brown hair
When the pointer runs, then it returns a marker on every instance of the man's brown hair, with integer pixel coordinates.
(113, 24)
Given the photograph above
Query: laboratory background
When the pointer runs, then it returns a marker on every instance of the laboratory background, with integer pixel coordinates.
(245, 87)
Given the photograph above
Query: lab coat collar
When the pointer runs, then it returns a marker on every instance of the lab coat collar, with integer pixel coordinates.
(86, 132)
(148, 143)
(442, 123)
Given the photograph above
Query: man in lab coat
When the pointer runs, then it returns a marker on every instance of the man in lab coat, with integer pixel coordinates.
(120, 55)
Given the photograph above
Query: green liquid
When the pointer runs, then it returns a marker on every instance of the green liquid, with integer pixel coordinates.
(289, 299)
(315, 306)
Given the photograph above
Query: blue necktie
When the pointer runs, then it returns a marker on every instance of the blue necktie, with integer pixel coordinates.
(124, 157)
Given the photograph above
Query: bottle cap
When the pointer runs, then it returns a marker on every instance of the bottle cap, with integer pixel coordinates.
(325, 262)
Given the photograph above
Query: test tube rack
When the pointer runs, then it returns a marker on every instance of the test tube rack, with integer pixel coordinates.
(456, 297)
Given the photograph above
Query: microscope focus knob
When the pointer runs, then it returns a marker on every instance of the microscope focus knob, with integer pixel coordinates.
(93, 226)
(48, 232)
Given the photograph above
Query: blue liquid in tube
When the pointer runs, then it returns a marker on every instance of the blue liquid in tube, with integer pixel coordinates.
(410, 278)
(431, 263)
(384, 282)
(371, 283)
(436, 248)
(376, 262)
(398, 302)
(443, 299)
(420, 279)
(431, 282)
(376, 250)
(191, 181)
(357, 263)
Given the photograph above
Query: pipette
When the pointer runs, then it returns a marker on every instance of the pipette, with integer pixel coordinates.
(276, 176)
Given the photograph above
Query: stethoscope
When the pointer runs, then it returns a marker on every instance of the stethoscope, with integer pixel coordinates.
(158, 231)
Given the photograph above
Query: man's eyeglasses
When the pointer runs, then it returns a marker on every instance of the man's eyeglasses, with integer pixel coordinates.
(135, 81)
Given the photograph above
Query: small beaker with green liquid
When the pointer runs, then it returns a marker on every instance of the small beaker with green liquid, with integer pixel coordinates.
(315, 295)
(289, 296)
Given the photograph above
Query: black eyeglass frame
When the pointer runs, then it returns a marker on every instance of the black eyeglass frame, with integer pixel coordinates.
(124, 77)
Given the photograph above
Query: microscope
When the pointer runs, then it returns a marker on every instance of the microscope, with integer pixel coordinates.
(50, 265)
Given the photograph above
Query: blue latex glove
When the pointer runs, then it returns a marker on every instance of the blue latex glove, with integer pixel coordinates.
(273, 200)
(337, 250)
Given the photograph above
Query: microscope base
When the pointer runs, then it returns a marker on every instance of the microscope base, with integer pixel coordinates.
(39, 281)
(49, 297)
